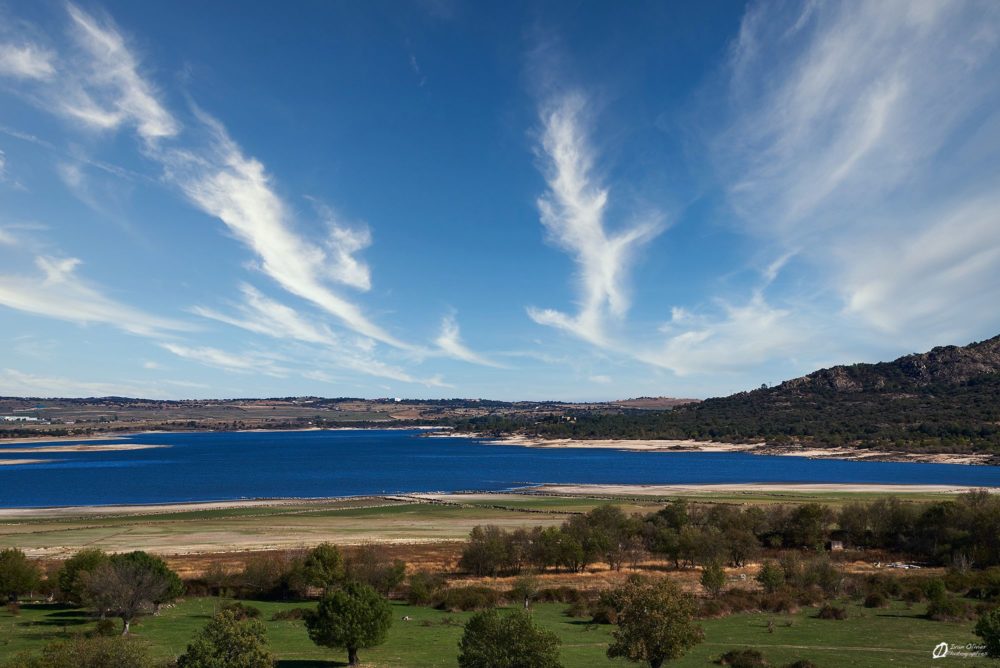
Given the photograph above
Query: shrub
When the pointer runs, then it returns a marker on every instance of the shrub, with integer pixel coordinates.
(741, 600)
(743, 658)
(713, 608)
(562, 594)
(913, 595)
(83, 652)
(467, 598)
(241, 610)
(988, 628)
(949, 609)
(802, 663)
(876, 599)
(290, 615)
(580, 609)
(106, 628)
(14, 608)
(829, 611)
(779, 602)
(424, 586)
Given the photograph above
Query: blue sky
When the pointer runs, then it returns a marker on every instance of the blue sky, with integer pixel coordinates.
(563, 200)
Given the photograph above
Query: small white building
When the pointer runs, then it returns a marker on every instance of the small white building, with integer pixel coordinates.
(17, 418)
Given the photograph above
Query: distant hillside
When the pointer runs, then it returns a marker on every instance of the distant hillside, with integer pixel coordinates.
(945, 400)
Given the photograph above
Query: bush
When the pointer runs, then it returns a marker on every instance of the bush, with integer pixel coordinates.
(467, 598)
(741, 600)
(779, 602)
(14, 608)
(580, 609)
(913, 595)
(743, 658)
(561, 595)
(949, 609)
(712, 609)
(988, 628)
(802, 663)
(832, 612)
(83, 652)
(424, 586)
(876, 599)
(290, 615)
(241, 610)
(106, 628)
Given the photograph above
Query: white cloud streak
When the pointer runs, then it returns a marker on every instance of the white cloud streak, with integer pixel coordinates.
(106, 90)
(26, 61)
(60, 293)
(864, 131)
(450, 341)
(573, 212)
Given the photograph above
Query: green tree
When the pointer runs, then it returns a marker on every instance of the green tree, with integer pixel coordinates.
(230, 640)
(655, 622)
(713, 578)
(771, 576)
(324, 566)
(492, 640)
(353, 618)
(988, 628)
(18, 575)
(71, 587)
(173, 586)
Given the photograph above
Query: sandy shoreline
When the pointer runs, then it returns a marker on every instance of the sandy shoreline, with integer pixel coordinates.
(654, 445)
(671, 490)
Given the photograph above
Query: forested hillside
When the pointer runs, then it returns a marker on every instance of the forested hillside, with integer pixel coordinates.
(945, 400)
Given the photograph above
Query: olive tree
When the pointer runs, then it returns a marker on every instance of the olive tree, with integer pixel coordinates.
(354, 617)
(655, 622)
(126, 586)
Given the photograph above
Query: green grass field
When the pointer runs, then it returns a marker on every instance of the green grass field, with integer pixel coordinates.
(894, 636)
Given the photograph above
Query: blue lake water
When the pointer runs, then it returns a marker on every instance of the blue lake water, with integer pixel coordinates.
(233, 465)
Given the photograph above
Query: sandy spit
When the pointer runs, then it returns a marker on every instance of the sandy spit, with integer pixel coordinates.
(16, 462)
(82, 448)
(751, 448)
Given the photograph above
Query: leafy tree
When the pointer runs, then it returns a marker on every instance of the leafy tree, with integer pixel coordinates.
(988, 628)
(353, 618)
(525, 589)
(655, 622)
(369, 564)
(324, 566)
(771, 576)
(84, 652)
(71, 586)
(17, 574)
(126, 586)
(159, 568)
(713, 578)
(229, 640)
(492, 640)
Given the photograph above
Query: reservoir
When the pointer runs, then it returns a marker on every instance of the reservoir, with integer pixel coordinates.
(210, 466)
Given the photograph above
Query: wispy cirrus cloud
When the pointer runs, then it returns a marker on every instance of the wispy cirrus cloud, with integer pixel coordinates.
(249, 362)
(105, 89)
(573, 213)
(450, 341)
(59, 292)
(236, 189)
(26, 61)
(859, 132)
